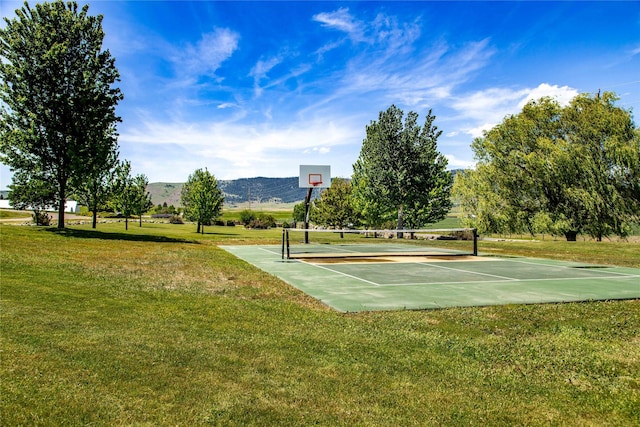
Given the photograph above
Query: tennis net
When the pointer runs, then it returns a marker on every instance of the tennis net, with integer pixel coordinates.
(322, 243)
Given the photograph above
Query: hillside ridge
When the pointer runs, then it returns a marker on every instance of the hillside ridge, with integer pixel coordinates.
(236, 191)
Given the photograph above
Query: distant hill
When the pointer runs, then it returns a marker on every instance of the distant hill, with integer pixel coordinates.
(260, 189)
(236, 191)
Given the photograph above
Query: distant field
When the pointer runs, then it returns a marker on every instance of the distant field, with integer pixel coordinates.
(12, 214)
(158, 326)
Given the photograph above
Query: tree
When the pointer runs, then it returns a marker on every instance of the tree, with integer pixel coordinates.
(564, 170)
(142, 198)
(94, 189)
(32, 191)
(400, 172)
(299, 212)
(124, 193)
(58, 104)
(334, 208)
(201, 198)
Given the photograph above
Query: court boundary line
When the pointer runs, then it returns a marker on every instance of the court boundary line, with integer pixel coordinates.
(501, 279)
(339, 272)
(567, 267)
(478, 282)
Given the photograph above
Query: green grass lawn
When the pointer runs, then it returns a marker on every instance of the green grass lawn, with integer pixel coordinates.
(157, 326)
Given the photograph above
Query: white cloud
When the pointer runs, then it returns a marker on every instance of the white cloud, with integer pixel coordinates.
(260, 70)
(455, 163)
(340, 20)
(235, 149)
(563, 94)
(488, 107)
(210, 52)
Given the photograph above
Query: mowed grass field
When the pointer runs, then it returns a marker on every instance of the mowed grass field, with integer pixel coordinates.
(158, 326)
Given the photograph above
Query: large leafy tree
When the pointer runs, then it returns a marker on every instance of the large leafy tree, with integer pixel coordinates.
(564, 170)
(58, 99)
(400, 171)
(201, 198)
(335, 208)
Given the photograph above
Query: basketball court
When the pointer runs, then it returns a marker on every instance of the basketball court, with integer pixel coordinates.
(367, 270)
(389, 282)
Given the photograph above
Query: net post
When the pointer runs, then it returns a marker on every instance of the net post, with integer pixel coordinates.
(288, 253)
(283, 232)
(475, 241)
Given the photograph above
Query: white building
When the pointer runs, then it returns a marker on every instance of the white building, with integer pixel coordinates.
(70, 206)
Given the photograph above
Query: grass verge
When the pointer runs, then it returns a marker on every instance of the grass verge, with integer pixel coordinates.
(157, 326)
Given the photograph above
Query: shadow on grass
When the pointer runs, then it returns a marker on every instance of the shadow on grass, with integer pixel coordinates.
(95, 234)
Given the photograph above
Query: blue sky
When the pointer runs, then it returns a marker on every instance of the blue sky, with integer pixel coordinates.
(251, 89)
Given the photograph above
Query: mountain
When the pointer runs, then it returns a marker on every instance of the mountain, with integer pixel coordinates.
(236, 191)
(260, 189)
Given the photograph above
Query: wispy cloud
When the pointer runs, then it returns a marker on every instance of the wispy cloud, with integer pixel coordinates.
(341, 20)
(207, 55)
(232, 147)
(260, 70)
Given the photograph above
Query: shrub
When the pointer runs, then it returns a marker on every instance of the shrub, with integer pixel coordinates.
(247, 216)
(230, 223)
(41, 218)
(176, 219)
(263, 222)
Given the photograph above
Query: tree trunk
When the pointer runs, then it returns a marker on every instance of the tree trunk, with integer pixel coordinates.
(400, 223)
(571, 235)
(95, 216)
(198, 229)
(61, 212)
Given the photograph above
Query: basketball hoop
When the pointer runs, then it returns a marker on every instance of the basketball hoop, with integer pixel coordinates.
(315, 179)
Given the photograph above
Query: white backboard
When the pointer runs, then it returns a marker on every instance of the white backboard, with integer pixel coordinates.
(312, 176)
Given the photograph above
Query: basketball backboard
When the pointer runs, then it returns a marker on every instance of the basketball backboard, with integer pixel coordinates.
(315, 176)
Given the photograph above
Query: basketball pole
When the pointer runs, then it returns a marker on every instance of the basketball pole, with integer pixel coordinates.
(307, 201)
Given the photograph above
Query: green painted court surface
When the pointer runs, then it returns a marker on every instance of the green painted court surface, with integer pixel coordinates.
(379, 284)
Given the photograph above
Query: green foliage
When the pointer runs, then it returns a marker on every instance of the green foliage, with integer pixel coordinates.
(556, 170)
(246, 216)
(165, 209)
(57, 98)
(41, 218)
(400, 171)
(261, 220)
(176, 219)
(299, 212)
(30, 191)
(142, 202)
(130, 193)
(335, 207)
(201, 198)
